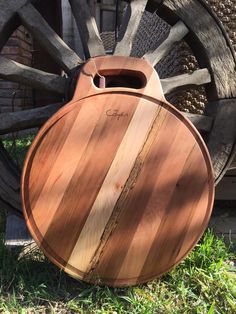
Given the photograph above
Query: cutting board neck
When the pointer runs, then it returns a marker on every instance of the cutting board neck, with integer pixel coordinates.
(118, 74)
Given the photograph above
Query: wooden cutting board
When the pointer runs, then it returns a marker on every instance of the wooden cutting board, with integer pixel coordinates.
(118, 186)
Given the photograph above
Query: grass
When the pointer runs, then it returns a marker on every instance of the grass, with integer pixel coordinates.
(203, 283)
(17, 148)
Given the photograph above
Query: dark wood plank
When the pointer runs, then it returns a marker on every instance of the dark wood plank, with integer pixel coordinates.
(16, 233)
(88, 30)
(201, 122)
(26, 119)
(233, 164)
(176, 34)
(129, 27)
(48, 39)
(17, 72)
(183, 81)
(226, 189)
(221, 140)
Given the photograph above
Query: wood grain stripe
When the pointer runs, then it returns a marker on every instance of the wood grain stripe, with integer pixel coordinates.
(182, 205)
(112, 183)
(57, 181)
(161, 190)
(48, 154)
(198, 220)
(120, 206)
(89, 173)
(111, 189)
(137, 228)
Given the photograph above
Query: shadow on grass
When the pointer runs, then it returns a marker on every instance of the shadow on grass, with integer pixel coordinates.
(32, 284)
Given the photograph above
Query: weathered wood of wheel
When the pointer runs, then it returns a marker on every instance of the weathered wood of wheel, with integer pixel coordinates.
(190, 20)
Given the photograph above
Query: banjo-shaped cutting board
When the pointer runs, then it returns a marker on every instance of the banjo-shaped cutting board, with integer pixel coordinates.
(118, 186)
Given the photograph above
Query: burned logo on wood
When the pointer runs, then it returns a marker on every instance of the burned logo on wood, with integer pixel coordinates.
(116, 114)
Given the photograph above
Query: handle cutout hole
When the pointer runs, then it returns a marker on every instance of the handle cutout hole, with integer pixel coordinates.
(127, 81)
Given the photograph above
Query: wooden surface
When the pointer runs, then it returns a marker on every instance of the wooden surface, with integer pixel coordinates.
(13, 71)
(233, 164)
(48, 38)
(118, 186)
(197, 19)
(129, 27)
(31, 118)
(226, 189)
(221, 140)
(185, 81)
(16, 233)
(89, 33)
(11, 185)
(7, 23)
(176, 34)
(208, 42)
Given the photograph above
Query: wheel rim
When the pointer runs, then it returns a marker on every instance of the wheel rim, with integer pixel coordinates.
(220, 92)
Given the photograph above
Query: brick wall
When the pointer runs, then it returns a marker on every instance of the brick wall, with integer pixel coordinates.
(14, 96)
(21, 47)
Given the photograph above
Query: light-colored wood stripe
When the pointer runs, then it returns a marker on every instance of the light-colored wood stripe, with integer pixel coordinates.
(111, 189)
(57, 185)
(129, 186)
(89, 174)
(149, 192)
(154, 194)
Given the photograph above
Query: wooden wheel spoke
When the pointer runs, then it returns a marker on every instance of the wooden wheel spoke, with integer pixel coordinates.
(233, 165)
(26, 119)
(221, 140)
(17, 72)
(216, 47)
(201, 122)
(129, 27)
(7, 24)
(48, 38)
(183, 81)
(176, 34)
(88, 30)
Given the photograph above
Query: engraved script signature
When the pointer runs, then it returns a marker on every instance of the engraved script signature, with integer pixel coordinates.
(116, 114)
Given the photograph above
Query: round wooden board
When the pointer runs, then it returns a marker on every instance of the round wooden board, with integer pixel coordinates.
(117, 189)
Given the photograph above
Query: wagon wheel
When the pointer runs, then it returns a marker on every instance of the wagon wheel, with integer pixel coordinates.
(204, 34)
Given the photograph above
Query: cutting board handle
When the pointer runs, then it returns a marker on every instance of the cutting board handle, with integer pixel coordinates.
(121, 73)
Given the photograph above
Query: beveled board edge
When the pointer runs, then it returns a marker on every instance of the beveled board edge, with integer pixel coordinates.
(65, 110)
